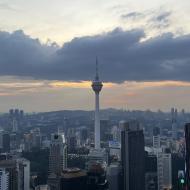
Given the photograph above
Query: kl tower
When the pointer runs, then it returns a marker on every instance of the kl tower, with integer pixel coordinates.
(97, 87)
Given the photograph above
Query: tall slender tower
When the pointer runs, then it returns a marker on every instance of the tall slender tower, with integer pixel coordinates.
(97, 87)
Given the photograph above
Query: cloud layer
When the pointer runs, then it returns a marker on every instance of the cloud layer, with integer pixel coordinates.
(123, 55)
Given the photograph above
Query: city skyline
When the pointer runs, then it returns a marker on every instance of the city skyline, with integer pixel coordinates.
(48, 55)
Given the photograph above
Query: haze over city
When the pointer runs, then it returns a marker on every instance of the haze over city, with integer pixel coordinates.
(48, 51)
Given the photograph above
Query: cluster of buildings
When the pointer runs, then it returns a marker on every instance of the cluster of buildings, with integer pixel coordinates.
(138, 153)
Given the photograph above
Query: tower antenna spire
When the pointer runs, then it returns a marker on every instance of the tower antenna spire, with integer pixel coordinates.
(97, 74)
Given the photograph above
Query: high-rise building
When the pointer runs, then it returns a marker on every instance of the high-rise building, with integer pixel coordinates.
(10, 166)
(36, 137)
(58, 154)
(71, 140)
(133, 156)
(178, 166)
(116, 133)
(174, 123)
(97, 87)
(156, 137)
(83, 135)
(164, 169)
(114, 176)
(6, 143)
(187, 140)
(23, 166)
(4, 179)
(16, 119)
(151, 180)
(18, 171)
(104, 130)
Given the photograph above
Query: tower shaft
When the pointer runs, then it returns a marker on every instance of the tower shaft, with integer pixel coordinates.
(97, 121)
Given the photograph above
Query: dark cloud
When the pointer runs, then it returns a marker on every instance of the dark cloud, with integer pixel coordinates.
(122, 56)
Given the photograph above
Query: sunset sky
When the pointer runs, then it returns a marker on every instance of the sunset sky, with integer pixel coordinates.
(48, 50)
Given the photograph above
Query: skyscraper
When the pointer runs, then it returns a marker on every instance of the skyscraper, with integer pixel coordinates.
(4, 179)
(24, 174)
(133, 156)
(156, 137)
(164, 169)
(114, 176)
(58, 154)
(187, 140)
(17, 173)
(97, 87)
(174, 123)
(151, 181)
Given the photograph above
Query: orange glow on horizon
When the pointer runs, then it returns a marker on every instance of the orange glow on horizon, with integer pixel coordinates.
(153, 84)
(82, 84)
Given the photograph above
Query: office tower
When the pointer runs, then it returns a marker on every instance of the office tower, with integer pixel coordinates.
(156, 137)
(133, 156)
(14, 141)
(151, 180)
(14, 125)
(19, 173)
(10, 166)
(116, 133)
(26, 171)
(71, 140)
(58, 154)
(36, 137)
(23, 175)
(104, 130)
(174, 123)
(83, 135)
(16, 118)
(114, 176)
(178, 166)
(187, 141)
(97, 86)
(4, 179)
(6, 143)
(164, 169)
(27, 142)
(72, 144)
